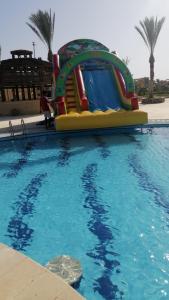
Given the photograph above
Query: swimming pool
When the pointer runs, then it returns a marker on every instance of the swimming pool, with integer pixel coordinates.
(101, 199)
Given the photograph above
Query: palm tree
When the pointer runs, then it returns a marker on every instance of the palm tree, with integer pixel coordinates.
(43, 24)
(149, 31)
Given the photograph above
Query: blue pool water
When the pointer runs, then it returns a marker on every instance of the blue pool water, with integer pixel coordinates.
(101, 199)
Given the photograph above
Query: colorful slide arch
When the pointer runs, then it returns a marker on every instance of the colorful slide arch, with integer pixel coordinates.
(88, 55)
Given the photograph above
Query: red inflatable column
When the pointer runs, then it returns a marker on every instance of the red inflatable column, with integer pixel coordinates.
(121, 81)
(60, 101)
(134, 103)
(56, 67)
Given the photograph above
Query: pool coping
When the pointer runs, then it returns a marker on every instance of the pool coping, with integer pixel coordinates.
(156, 123)
(24, 278)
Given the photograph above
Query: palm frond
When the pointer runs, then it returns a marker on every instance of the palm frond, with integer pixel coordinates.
(35, 30)
(149, 31)
(159, 25)
(142, 34)
(42, 23)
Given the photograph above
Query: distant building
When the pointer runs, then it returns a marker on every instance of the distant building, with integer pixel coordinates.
(142, 82)
(22, 79)
(161, 86)
(141, 85)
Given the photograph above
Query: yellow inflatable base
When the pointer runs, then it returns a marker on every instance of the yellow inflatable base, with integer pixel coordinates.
(100, 119)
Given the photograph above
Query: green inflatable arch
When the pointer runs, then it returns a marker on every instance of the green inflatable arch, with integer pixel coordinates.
(101, 55)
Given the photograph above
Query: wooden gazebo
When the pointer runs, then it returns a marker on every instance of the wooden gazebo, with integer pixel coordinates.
(22, 79)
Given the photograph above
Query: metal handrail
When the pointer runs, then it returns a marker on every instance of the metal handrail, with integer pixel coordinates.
(11, 129)
(23, 126)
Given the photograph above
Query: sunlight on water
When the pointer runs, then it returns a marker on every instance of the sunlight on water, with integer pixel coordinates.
(101, 199)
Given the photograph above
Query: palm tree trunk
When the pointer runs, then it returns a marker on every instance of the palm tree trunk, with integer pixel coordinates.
(50, 55)
(151, 84)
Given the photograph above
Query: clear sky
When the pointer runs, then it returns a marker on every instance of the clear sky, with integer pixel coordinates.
(111, 22)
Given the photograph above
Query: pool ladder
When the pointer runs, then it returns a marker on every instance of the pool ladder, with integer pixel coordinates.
(12, 131)
(23, 126)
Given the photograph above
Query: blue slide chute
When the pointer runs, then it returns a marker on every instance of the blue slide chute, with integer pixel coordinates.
(101, 89)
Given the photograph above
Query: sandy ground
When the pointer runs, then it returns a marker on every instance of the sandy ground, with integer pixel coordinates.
(155, 112)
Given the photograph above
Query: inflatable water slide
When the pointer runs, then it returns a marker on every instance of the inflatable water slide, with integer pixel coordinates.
(93, 88)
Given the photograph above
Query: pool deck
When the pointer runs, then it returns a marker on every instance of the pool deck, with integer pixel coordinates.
(31, 125)
(156, 113)
(23, 279)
